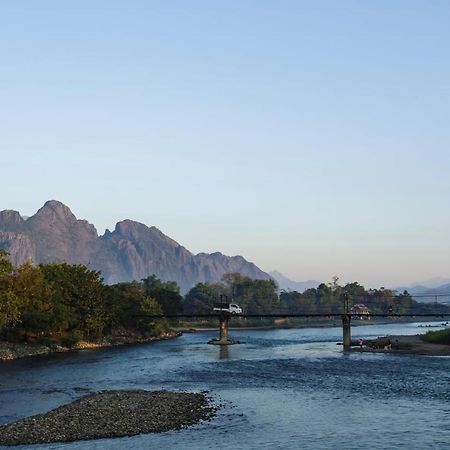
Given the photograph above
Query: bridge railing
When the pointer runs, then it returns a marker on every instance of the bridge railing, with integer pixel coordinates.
(283, 315)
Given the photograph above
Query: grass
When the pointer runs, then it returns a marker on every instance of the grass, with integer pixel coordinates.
(438, 337)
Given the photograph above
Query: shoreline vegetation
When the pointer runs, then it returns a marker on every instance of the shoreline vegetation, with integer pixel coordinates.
(58, 307)
(111, 414)
(17, 350)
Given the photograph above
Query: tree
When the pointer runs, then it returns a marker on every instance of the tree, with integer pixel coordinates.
(254, 296)
(294, 302)
(326, 299)
(356, 293)
(78, 298)
(9, 302)
(167, 294)
(34, 297)
(380, 300)
(131, 307)
(334, 284)
(403, 303)
(6, 266)
(200, 299)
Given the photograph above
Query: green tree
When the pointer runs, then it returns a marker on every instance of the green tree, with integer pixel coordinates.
(6, 266)
(167, 294)
(34, 296)
(200, 299)
(325, 299)
(294, 302)
(79, 298)
(131, 308)
(254, 296)
(402, 303)
(9, 302)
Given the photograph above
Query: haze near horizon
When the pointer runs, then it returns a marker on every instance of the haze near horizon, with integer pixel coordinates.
(309, 137)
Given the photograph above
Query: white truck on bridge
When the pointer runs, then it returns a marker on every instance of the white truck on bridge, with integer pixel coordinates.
(230, 308)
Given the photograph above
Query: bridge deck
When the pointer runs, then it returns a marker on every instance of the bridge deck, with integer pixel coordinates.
(286, 316)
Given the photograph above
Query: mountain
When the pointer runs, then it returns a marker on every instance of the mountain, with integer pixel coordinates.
(429, 291)
(287, 284)
(432, 283)
(131, 252)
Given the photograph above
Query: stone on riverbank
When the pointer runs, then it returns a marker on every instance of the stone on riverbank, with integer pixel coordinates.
(10, 350)
(110, 414)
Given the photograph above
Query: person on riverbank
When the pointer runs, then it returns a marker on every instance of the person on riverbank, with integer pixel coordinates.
(360, 343)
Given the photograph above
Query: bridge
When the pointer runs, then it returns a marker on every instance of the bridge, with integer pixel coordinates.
(346, 317)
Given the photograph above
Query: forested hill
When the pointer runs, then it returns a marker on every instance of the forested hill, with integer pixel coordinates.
(132, 251)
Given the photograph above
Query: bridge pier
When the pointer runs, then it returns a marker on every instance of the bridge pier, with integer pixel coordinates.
(223, 332)
(224, 321)
(346, 331)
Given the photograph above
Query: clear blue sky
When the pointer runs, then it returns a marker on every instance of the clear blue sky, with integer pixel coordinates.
(312, 137)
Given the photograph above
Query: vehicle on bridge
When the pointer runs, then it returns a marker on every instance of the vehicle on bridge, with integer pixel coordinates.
(230, 308)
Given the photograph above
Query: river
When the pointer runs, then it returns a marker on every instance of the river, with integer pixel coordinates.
(279, 389)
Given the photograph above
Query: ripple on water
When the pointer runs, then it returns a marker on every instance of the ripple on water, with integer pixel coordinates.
(287, 389)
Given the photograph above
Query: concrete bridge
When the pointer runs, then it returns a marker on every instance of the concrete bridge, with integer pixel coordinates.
(346, 318)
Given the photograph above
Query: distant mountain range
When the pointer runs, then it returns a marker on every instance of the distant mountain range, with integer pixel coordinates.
(432, 283)
(132, 251)
(425, 291)
(287, 284)
(429, 291)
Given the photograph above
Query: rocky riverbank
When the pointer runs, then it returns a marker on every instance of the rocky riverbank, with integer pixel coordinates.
(413, 345)
(12, 350)
(110, 414)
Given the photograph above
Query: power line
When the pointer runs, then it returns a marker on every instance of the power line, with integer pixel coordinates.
(425, 295)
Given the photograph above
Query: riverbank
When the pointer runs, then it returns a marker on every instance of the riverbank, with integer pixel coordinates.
(411, 345)
(110, 414)
(285, 325)
(13, 350)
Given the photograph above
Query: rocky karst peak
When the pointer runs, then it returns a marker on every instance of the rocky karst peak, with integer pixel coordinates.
(10, 218)
(54, 211)
(127, 226)
(131, 252)
(137, 231)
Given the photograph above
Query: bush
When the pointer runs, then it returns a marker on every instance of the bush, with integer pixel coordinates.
(438, 337)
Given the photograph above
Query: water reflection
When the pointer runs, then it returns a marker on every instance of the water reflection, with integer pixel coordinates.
(224, 352)
(280, 389)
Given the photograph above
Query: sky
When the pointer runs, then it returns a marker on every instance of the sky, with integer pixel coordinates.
(311, 137)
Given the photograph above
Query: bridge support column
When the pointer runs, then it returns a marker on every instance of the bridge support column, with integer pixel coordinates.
(224, 329)
(346, 330)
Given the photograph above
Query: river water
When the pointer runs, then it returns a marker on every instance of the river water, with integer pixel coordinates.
(279, 389)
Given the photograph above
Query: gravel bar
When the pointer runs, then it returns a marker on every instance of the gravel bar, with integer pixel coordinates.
(109, 414)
